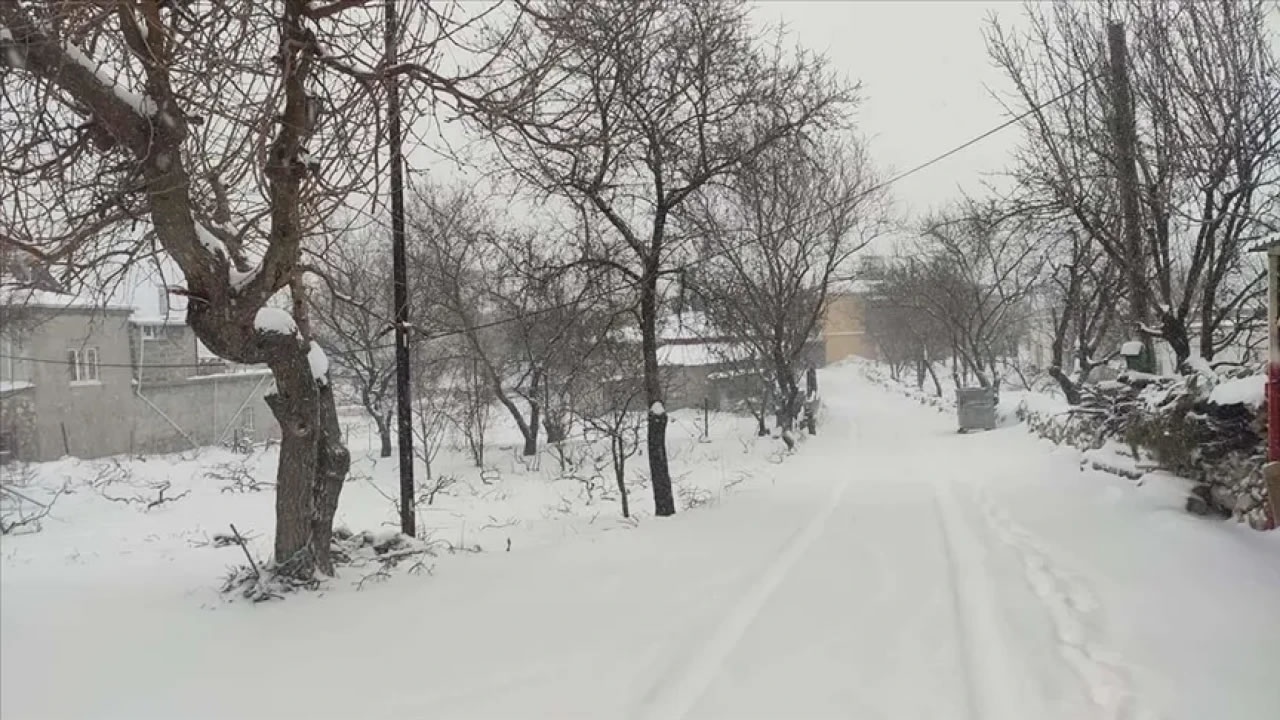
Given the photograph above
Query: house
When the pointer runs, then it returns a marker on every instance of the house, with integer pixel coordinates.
(82, 378)
(844, 327)
(702, 366)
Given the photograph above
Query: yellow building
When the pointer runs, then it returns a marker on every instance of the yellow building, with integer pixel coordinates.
(844, 328)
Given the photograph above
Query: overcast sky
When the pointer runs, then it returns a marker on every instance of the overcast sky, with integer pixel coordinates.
(925, 78)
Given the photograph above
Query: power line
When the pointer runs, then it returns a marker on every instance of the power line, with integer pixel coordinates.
(429, 337)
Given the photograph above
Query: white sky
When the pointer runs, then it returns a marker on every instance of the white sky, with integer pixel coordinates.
(925, 78)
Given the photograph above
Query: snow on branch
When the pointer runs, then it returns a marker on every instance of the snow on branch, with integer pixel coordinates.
(275, 320)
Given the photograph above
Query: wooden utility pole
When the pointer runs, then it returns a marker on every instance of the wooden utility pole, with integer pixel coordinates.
(399, 278)
(1125, 137)
(1271, 471)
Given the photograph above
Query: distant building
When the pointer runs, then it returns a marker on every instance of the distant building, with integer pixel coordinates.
(85, 379)
(844, 327)
(703, 366)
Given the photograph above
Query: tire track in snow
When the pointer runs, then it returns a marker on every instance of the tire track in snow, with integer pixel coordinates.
(1076, 616)
(678, 692)
(994, 670)
(964, 644)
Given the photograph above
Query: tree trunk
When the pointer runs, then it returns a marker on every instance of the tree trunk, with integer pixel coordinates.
(620, 473)
(1069, 387)
(1174, 331)
(554, 427)
(937, 383)
(811, 400)
(313, 466)
(664, 503)
(531, 440)
(528, 431)
(384, 434)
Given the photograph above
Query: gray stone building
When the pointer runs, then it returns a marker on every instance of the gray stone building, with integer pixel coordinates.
(83, 379)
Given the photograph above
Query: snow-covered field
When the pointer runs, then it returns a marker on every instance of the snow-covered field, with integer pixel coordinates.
(891, 568)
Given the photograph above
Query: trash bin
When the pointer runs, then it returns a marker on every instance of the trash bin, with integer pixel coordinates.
(976, 408)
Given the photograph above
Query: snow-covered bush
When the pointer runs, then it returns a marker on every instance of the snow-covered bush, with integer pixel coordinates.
(1204, 427)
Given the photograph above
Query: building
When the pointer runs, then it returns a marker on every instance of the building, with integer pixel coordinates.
(844, 327)
(702, 366)
(88, 380)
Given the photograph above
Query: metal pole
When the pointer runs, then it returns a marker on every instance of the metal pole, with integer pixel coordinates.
(400, 280)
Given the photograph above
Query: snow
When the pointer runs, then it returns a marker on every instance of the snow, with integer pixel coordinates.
(7, 386)
(858, 577)
(1202, 367)
(140, 103)
(211, 242)
(240, 280)
(319, 363)
(1036, 402)
(275, 320)
(1251, 391)
(696, 354)
(27, 297)
(657, 408)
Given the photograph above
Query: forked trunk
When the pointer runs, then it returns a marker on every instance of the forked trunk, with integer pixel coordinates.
(313, 466)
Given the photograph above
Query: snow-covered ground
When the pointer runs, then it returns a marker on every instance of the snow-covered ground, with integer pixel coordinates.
(890, 569)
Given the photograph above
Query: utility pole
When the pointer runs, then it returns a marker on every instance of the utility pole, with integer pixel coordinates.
(1125, 136)
(1271, 471)
(399, 278)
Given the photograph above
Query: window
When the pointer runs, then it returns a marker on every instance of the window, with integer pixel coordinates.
(82, 365)
(150, 332)
(246, 421)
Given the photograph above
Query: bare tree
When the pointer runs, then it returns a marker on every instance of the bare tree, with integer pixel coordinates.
(774, 236)
(233, 131)
(434, 399)
(974, 271)
(471, 409)
(907, 335)
(642, 104)
(477, 296)
(617, 413)
(1205, 88)
(351, 313)
(620, 425)
(1084, 295)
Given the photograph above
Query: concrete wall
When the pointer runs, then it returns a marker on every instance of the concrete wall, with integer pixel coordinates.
(206, 410)
(80, 418)
(60, 416)
(163, 351)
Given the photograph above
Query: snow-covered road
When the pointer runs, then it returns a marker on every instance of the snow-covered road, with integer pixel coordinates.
(895, 570)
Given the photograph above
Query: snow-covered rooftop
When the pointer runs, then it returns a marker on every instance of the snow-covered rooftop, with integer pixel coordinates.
(697, 354)
(30, 297)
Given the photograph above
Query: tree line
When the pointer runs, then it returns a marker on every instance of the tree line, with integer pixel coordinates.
(1058, 255)
(242, 143)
